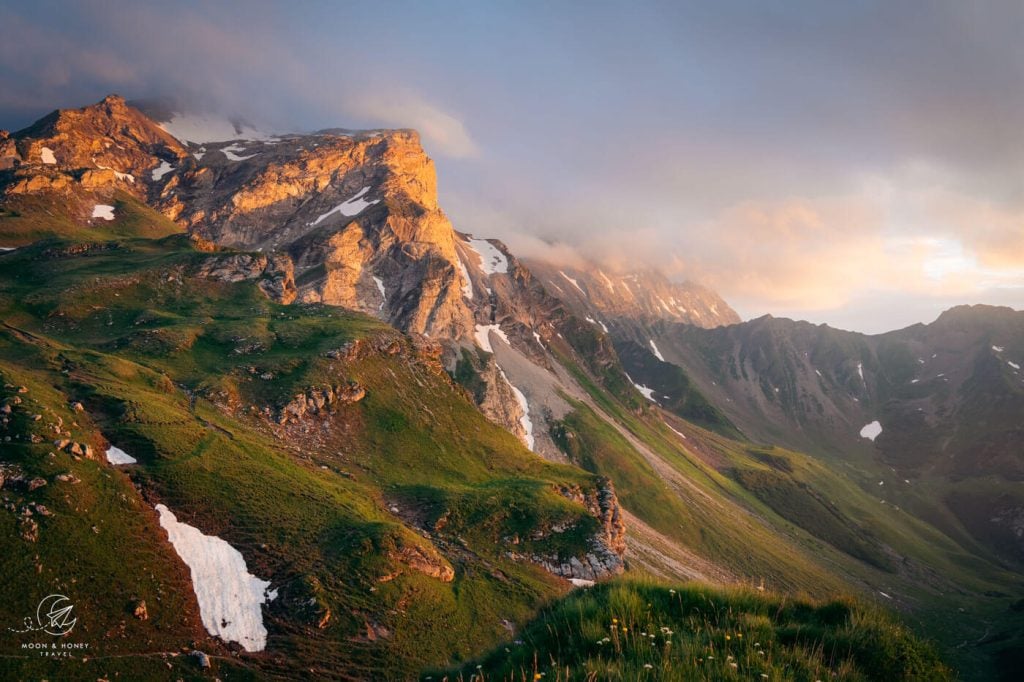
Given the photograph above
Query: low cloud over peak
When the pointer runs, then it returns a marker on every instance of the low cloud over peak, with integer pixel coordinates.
(799, 158)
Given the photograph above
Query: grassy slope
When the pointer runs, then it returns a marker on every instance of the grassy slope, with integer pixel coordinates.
(27, 218)
(162, 362)
(631, 630)
(836, 536)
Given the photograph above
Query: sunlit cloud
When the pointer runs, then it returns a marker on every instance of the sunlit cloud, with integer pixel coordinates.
(442, 132)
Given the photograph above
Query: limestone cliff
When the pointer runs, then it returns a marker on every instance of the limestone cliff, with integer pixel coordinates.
(356, 213)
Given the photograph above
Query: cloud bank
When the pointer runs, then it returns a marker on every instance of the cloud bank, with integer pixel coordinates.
(801, 158)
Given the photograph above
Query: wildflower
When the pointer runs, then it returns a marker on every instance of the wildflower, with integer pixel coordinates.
(648, 666)
(733, 666)
(728, 637)
(757, 644)
(671, 591)
(764, 675)
(625, 629)
(537, 676)
(614, 621)
(760, 653)
(739, 635)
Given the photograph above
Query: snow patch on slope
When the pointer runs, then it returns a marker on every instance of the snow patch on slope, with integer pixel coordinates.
(204, 128)
(646, 392)
(230, 150)
(163, 169)
(383, 292)
(572, 282)
(483, 336)
(657, 353)
(467, 283)
(104, 211)
(347, 208)
(46, 154)
(229, 596)
(116, 455)
(524, 421)
(492, 260)
(871, 431)
(681, 435)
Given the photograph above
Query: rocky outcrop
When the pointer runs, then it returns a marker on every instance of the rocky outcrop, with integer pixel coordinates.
(319, 401)
(607, 545)
(276, 273)
(423, 561)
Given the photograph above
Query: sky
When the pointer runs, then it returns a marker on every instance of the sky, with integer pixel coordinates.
(856, 163)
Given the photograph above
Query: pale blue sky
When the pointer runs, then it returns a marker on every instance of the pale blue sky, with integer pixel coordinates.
(859, 163)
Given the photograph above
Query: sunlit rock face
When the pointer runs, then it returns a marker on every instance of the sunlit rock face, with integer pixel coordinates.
(106, 144)
(356, 212)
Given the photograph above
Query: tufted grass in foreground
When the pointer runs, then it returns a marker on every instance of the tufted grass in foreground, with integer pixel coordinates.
(637, 630)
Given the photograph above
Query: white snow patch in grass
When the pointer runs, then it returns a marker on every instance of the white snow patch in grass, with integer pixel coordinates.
(492, 260)
(230, 150)
(199, 154)
(229, 596)
(580, 582)
(914, 381)
(603, 326)
(383, 292)
(163, 169)
(572, 282)
(998, 349)
(116, 455)
(871, 431)
(524, 421)
(1013, 364)
(467, 283)
(860, 371)
(8, 248)
(348, 208)
(657, 353)
(46, 154)
(818, 372)
(104, 211)
(539, 341)
(483, 336)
